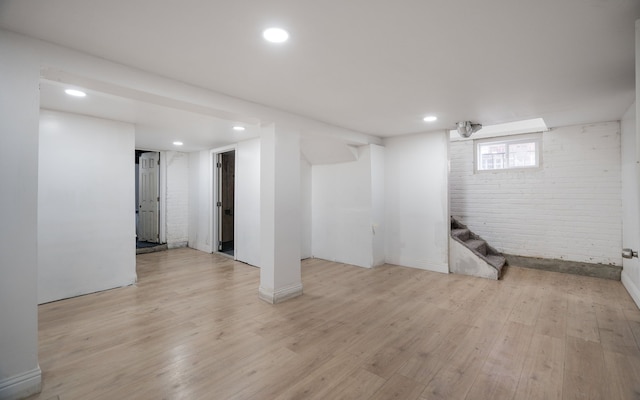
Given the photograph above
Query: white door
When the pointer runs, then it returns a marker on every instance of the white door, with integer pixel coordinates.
(149, 196)
(630, 204)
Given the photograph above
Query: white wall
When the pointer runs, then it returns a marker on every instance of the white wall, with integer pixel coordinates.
(341, 211)
(199, 187)
(305, 208)
(247, 201)
(416, 201)
(630, 202)
(568, 209)
(19, 107)
(86, 229)
(177, 200)
(247, 192)
(378, 204)
(348, 209)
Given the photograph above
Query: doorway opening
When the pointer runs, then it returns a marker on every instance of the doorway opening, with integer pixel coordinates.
(226, 171)
(147, 201)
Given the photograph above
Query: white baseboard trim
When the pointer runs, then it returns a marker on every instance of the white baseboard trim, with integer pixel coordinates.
(176, 245)
(22, 385)
(633, 290)
(278, 296)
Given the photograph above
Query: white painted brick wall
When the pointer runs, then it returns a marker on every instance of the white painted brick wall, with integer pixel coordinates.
(568, 209)
(177, 201)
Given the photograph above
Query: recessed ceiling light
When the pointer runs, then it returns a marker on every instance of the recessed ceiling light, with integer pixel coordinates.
(74, 92)
(238, 128)
(430, 118)
(275, 35)
(177, 143)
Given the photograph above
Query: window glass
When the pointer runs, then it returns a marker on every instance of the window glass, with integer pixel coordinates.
(507, 154)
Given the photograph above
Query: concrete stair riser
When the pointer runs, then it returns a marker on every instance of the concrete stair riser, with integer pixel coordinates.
(462, 234)
(487, 254)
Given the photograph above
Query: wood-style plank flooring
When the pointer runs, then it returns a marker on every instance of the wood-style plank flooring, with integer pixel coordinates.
(194, 328)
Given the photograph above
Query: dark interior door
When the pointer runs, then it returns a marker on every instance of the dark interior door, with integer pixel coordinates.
(227, 168)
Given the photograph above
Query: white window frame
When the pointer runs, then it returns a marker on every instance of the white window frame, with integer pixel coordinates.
(508, 140)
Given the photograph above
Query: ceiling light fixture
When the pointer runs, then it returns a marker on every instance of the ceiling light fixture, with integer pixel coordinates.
(506, 129)
(238, 128)
(466, 128)
(76, 93)
(430, 118)
(275, 35)
(177, 143)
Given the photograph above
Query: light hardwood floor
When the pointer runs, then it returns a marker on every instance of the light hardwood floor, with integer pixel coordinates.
(194, 328)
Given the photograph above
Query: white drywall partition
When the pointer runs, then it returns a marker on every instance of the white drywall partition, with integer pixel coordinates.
(568, 209)
(377, 204)
(20, 374)
(247, 201)
(416, 202)
(177, 198)
(342, 211)
(86, 228)
(247, 211)
(630, 202)
(200, 206)
(305, 208)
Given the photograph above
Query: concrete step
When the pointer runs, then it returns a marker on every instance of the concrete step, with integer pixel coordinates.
(496, 261)
(462, 234)
(477, 245)
(490, 257)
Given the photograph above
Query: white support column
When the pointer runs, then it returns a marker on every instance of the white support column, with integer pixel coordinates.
(20, 375)
(280, 277)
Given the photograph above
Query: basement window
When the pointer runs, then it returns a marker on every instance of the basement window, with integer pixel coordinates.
(514, 152)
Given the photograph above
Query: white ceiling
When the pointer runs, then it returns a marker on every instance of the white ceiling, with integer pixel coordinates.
(373, 66)
(157, 127)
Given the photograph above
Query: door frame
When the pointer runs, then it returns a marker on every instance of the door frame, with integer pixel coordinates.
(162, 207)
(163, 197)
(213, 196)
